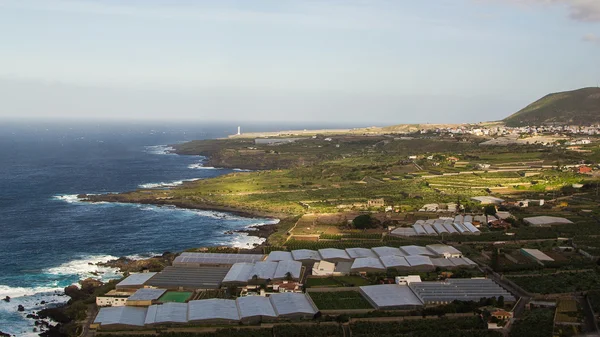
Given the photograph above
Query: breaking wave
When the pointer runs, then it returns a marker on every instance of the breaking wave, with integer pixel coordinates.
(160, 149)
(167, 184)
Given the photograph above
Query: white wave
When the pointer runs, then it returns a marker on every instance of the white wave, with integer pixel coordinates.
(70, 198)
(167, 184)
(246, 241)
(242, 170)
(86, 267)
(142, 256)
(15, 292)
(200, 166)
(160, 149)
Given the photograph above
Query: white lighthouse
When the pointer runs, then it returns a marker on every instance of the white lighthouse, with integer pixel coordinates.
(239, 130)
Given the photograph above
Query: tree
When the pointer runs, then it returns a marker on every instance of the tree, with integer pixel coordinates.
(363, 221)
(501, 301)
(288, 276)
(489, 210)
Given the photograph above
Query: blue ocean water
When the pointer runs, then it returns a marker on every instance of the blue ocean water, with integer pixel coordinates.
(50, 240)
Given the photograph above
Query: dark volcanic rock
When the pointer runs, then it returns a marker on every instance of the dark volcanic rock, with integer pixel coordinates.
(20, 308)
(6, 299)
(4, 334)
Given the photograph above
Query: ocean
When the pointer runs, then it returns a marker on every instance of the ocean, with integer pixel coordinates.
(50, 240)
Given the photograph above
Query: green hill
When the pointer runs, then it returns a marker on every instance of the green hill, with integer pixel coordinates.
(577, 107)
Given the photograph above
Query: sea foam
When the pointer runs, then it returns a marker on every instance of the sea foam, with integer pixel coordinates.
(160, 149)
(167, 184)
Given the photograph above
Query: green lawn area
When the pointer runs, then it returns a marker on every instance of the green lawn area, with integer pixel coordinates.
(175, 296)
(337, 281)
(339, 300)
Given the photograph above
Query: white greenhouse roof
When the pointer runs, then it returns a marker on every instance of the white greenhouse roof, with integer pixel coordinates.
(134, 280)
(392, 261)
(368, 263)
(419, 229)
(216, 258)
(387, 251)
(418, 260)
(461, 229)
(471, 228)
(546, 220)
(462, 261)
(440, 249)
(488, 200)
(121, 315)
(213, 309)
(442, 262)
(284, 267)
(147, 294)
(279, 256)
(416, 250)
(391, 295)
(439, 227)
(239, 272)
(450, 228)
(167, 313)
(291, 303)
(334, 253)
(264, 270)
(306, 254)
(429, 229)
(537, 254)
(360, 252)
(404, 231)
(252, 306)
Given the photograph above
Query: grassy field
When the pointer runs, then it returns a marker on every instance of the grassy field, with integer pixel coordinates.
(339, 300)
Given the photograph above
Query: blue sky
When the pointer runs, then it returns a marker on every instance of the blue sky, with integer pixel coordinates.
(375, 62)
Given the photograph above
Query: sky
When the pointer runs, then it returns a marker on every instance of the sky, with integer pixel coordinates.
(375, 62)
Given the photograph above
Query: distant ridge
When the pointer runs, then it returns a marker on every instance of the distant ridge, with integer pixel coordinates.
(577, 107)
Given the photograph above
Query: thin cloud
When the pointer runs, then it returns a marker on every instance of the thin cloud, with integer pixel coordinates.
(592, 38)
(579, 10)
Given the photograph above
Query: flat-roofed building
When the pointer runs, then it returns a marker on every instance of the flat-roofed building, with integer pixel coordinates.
(367, 265)
(390, 297)
(188, 277)
(145, 297)
(444, 250)
(117, 318)
(323, 268)
(113, 298)
(255, 309)
(334, 255)
(387, 251)
(167, 313)
(276, 256)
(214, 259)
(213, 311)
(306, 256)
(293, 306)
(134, 281)
(356, 253)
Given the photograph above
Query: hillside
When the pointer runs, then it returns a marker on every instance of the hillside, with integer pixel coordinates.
(577, 107)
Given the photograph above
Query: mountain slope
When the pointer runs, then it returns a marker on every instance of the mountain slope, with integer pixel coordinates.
(577, 107)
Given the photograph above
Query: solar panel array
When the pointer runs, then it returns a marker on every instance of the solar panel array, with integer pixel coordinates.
(189, 277)
(459, 289)
(215, 258)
